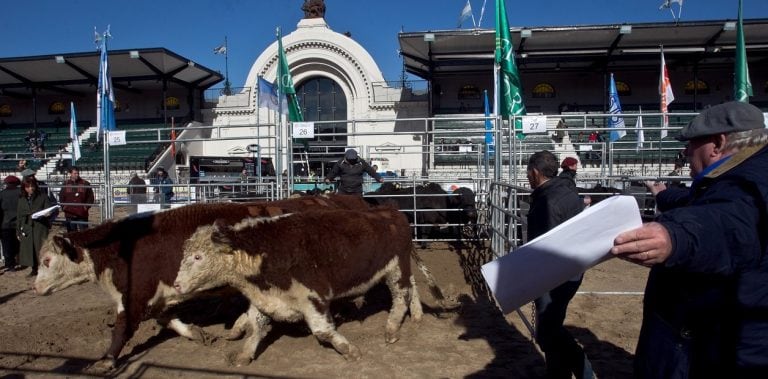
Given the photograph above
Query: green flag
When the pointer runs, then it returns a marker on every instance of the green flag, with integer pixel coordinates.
(285, 86)
(510, 88)
(742, 87)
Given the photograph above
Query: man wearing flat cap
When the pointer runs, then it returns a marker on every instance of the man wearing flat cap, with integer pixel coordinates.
(705, 309)
(350, 171)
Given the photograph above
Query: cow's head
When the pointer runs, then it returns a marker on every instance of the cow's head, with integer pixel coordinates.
(208, 260)
(62, 264)
(464, 199)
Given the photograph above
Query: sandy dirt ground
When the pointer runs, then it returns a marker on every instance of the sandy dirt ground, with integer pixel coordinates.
(61, 334)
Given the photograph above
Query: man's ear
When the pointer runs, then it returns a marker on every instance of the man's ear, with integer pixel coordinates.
(719, 140)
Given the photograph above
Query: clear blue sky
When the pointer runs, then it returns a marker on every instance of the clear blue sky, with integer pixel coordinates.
(192, 28)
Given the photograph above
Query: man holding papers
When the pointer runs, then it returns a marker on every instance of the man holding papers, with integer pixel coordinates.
(706, 302)
(553, 202)
(31, 231)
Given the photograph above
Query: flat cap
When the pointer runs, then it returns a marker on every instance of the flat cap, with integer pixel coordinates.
(27, 172)
(351, 154)
(728, 117)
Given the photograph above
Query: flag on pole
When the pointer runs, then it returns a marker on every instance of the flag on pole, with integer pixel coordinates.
(616, 122)
(466, 13)
(510, 88)
(667, 4)
(490, 145)
(268, 97)
(742, 87)
(105, 97)
(667, 97)
(482, 13)
(73, 135)
(173, 138)
(639, 131)
(221, 49)
(285, 86)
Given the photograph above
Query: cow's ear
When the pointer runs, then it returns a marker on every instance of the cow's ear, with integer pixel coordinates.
(67, 248)
(220, 233)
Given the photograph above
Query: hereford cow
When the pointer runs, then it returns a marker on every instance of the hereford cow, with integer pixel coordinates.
(135, 260)
(289, 274)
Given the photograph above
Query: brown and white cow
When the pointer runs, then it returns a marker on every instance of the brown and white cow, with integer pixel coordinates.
(136, 259)
(291, 267)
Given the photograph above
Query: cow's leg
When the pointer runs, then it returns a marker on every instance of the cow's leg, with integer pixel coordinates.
(191, 331)
(319, 321)
(397, 313)
(261, 327)
(119, 338)
(415, 302)
(239, 328)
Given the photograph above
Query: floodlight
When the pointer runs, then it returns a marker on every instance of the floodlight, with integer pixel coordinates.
(625, 29)
(60, 59)
(526, 33)
(429, 37)
(134, 54)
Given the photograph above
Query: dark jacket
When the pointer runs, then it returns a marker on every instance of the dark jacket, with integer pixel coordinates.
(73, 193)
(708, 302)
(351, 175)
(32, 232)
(9, 200)
(570, 175)
(552, 203)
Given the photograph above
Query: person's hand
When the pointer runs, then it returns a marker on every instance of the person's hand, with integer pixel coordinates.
(647, 245)
(327, 181)
(655, 187)
(380, 180)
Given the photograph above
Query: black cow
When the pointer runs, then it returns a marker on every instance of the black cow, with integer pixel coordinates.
(429, 206)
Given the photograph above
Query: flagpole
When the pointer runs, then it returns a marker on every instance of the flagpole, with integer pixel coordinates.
(278, 132)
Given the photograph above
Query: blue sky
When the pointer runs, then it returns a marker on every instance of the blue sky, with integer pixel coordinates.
(192, 28)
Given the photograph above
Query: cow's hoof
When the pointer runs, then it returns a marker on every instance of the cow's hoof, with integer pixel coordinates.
(242, 360)
(391, 337)
(101, 366)
(353, 353)
(201, 336)
(235, 334)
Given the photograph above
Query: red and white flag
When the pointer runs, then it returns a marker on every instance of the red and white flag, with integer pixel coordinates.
(667, 97)
(173, 138)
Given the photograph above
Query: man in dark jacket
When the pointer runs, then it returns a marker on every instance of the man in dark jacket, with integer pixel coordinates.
(76, 198)
(705, 309)
(350, 170)
(9, 202)
(569, 166)
(553, 202)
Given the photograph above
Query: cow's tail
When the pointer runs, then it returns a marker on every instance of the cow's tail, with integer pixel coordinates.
(431, 282)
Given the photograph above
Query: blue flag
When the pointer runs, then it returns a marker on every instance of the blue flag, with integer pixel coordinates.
(490, 145)
(615, 121)
(105, 97)
(268, 97)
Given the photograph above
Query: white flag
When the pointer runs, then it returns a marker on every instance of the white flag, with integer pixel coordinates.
(73, 133)
(465, 14)
(639, 131)
(667, 97)
(220, 49)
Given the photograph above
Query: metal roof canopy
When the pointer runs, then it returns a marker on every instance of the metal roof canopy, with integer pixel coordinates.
(703, 44)
(76, 74)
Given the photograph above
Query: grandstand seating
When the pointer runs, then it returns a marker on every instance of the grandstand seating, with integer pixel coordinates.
(141, 149)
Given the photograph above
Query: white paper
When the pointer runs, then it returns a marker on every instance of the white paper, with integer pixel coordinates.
(560, 254)
(45, 212)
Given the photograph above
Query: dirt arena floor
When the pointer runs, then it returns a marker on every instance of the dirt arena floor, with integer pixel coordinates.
(61, 334)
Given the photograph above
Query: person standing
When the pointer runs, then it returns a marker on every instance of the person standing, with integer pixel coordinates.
(553, 202)
(76, 197)
(9, 204)
(30, 231)
(569, 167)
(164, 186)
(137, 189)
(350, 171)
(705, 310)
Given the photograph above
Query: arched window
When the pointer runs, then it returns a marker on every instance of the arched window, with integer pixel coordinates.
(57, 107)
(543, 91)
(623, 89)
(321, 99)
(699, 86)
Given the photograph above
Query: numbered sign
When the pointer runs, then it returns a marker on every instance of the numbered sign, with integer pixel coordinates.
(534, 124)
(116, 137)
(303, 130)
